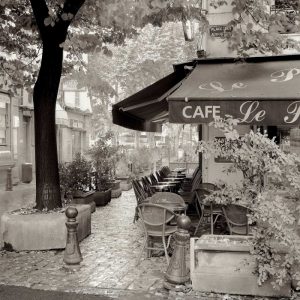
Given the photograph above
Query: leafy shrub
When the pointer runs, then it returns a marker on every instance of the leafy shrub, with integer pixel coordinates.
(75, 176)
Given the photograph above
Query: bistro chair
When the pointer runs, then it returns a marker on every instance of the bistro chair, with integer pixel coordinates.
(147, 186)
(140, 196)
(187, 188)
(162, 186)
(206, 211)
(155, 220)
(236, 219)
(173, 181)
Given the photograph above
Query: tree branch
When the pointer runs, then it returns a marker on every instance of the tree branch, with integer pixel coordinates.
(65, 17)
(70, 7)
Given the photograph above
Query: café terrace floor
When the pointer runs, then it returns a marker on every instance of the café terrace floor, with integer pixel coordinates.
(109, 258)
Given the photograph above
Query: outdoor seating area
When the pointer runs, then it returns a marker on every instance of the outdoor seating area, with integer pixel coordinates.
(164, 195)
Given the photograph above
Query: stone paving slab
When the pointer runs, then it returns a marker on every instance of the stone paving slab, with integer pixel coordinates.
(109, 262)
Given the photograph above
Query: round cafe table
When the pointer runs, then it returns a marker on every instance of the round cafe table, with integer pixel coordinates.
(171, 201)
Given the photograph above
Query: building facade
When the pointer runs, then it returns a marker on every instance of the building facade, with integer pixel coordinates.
(16, 133)
(73, 116)
(17, 145)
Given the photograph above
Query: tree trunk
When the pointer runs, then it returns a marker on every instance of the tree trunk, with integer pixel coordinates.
(44, 98)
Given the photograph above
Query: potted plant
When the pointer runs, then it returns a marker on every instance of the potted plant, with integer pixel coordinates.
(270, 188)
(75, 178)
(103, 156)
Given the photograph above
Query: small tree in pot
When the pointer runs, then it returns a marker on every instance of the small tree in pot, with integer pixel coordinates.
(103, 156)
(75, 177)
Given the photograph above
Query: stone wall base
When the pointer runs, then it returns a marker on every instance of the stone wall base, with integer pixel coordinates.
(42, 231)
(228, 267)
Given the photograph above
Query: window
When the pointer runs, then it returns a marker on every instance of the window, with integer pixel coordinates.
(3, 123)
(76, 124)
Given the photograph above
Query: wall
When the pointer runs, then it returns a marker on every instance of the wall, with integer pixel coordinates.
(213, 171)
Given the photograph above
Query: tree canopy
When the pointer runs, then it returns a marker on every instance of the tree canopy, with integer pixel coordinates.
(99, 23)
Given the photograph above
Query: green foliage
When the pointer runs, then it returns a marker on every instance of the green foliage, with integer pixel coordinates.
(100, 23)
(105, 157)
(270, 188)
(75, 176)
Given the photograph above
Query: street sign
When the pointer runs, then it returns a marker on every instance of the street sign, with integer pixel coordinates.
(219, 31)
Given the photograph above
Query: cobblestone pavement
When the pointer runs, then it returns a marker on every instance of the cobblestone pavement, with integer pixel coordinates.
(109, 262)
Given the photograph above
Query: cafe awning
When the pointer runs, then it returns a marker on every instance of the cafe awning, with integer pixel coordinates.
(257, 90)
(261, 90)
(148, 109)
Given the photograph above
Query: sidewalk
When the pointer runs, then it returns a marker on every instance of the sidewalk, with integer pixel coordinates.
(109, 258)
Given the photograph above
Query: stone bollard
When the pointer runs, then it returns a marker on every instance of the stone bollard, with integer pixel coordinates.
(177, 272)
(72, 255)
(8, 180)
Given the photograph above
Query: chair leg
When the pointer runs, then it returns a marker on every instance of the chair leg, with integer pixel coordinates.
(165, 248)
(201, 216)
(214, 221)
(198, 225)
(149, 245)
(142, 251)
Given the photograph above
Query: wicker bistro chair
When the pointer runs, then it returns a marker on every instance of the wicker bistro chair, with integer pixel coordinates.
(162, 186)
(147, 186)
(140, 195)
(211, 211)
(236, 219)
(155, 220)
(188, 187)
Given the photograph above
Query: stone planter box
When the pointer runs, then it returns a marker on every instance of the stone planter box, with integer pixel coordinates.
(223, 264)
(116, 190)
(125, 183)
(42, 231)
(86, 198)
(82, 194)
